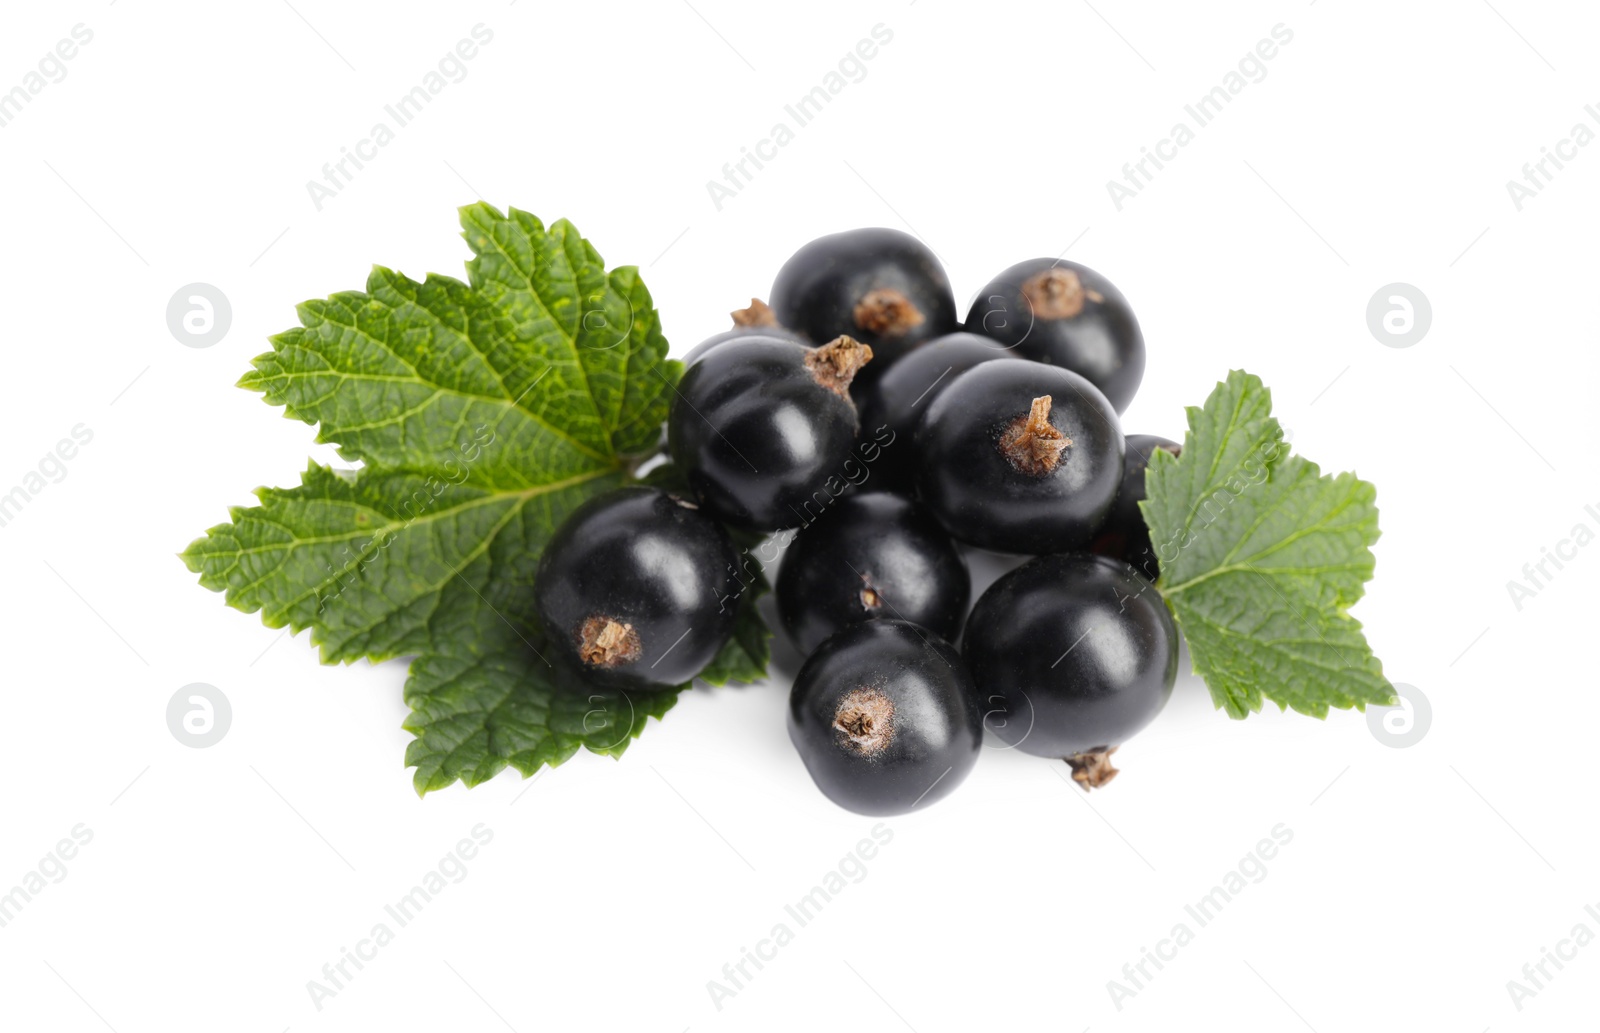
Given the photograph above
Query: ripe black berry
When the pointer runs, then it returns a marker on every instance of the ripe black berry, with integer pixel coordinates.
(1124, 535)
(759, 426)
(872, 555)
(635, 589)
(880, 286)
(885, 717)
(1020, 457)
(1067, 315)
(896, 399)
(755, 321)
(1072, 656)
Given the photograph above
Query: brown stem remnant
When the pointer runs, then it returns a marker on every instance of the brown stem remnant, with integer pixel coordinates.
(1057, 294)
(871, 601)
(866, 719)
(887, 313)
(758, 314)
(836, 363)
(1093, 769)
(1031, 444)
(604, 642)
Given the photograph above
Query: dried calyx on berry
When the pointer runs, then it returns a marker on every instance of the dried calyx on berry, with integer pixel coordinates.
(1019, 457)
(885, 718)
(1074, 655)
(882, 287)
(630, 589)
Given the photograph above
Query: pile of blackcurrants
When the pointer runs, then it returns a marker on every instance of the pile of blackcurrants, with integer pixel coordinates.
(856, 421)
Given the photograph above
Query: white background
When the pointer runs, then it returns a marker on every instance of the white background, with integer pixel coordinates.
(1376, 149)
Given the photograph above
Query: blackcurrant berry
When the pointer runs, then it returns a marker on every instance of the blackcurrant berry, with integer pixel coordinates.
(636, 589)
(880, 286)
(1019, 457)
(871, 555)
(885, 717)
(755, 321)
(1124, 535)
(760, 426)
(895, 400)
(1067, 315)
(1072, 656)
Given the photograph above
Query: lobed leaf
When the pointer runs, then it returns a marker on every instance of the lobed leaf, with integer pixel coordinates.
(482, 412)
(487, 699)
(1261, 556)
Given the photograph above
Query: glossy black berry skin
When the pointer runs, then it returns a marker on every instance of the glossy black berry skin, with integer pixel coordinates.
(740, 333)
(645, 561)
(757, 435)
(970, 475)
(885, 718)
(1072, 654)
(872, 555)
(898, 397)
(1067, 315)
(1124, 535)
(880, 286)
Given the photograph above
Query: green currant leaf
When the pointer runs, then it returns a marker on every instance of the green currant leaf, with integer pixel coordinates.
(1261, 556)
(372, 560)
(482, 412)
(488, 698)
